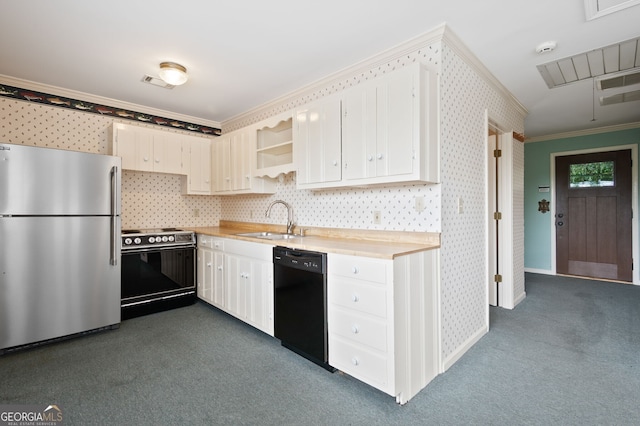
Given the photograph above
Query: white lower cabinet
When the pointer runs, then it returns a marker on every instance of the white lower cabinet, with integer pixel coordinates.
(210, 270)
(237, 277)
(383, 321)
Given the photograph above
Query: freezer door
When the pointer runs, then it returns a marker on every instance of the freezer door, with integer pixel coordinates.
(53, 284)
(43, 181)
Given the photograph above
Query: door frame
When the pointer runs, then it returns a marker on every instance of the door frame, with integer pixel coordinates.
(505, 202)
(634, 202)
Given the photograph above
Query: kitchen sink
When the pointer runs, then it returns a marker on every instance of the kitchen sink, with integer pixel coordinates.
(270, 235)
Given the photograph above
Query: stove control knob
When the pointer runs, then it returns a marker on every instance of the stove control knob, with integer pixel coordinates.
(165, 239)
(171, 238)
(137, 241)
(152, 240)
(127, 241)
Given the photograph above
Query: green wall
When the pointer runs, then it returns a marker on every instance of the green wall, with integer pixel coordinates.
(537, 162)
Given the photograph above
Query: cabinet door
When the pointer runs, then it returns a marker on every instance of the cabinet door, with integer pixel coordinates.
(318, 142)
(135, 146)
(217, 290)
(199, 178)
(399, 129)
(221, 160)
(167, 153)
(205, 274)
(236, 286)
(241, 145)
(359, 131)
(259, 294)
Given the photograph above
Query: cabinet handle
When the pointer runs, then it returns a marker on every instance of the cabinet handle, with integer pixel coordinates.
(371, 158)
(209, 265)
(219, 268)
(379, 156)
(355, 298)
(354, 329)
(157, 160)
(355, 269)
(355, 361)
(145, 159)
(335, 162)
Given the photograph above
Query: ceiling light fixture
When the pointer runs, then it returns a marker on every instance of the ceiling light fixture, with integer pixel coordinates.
(172, 73)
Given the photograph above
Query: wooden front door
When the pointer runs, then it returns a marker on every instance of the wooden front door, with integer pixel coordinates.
(593, 215)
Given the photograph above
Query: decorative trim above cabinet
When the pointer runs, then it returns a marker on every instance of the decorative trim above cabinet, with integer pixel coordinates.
(95, 107)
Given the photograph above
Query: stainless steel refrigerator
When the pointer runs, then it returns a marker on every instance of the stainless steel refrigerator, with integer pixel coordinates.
(59, 243)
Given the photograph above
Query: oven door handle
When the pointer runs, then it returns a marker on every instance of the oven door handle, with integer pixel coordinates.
(156, 248)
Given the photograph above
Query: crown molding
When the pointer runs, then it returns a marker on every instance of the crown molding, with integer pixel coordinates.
(454, 43)
(378, 59)
(585, 132)
(87, 97)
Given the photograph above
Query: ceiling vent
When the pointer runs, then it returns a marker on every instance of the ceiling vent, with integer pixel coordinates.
(627, 79)
(607, 60)
(599, 8)
(620, 98)
(155, 81)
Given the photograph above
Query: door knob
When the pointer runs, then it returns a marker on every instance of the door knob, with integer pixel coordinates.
(560, 223)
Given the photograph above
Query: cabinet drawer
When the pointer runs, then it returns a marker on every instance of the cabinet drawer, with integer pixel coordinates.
(358, 268)
(359, 362)
(358, 328)
(210, 242)
(354, 295)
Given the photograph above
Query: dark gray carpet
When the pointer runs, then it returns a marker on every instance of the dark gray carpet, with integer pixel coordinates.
(568, 354)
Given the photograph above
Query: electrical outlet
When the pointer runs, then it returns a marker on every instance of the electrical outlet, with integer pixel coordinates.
(377, 218)
(196, 212)
(460, 205)
(419, 204)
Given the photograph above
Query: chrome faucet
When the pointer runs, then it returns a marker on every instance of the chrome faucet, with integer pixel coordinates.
(289, 213)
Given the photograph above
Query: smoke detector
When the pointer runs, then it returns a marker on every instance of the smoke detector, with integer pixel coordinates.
(546, 47)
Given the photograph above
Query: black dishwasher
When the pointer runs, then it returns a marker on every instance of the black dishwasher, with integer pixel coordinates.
(300, 297)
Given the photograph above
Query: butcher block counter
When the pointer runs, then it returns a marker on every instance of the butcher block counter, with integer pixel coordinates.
(377, 244)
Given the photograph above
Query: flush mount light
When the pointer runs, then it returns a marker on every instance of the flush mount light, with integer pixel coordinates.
(172, 73)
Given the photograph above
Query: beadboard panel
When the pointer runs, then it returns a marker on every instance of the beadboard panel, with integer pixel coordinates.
(149, 200)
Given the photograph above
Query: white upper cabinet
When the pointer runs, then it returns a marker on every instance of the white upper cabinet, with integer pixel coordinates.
(317, 138)
(148, 150)
(198, 181)
(388, 133)
(274, 146)
(233, 155)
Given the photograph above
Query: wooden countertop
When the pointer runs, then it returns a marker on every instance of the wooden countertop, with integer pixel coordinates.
(378, 244)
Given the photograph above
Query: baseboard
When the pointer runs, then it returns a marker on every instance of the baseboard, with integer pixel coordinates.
(539, 271)
(520, 298)
(455, 356)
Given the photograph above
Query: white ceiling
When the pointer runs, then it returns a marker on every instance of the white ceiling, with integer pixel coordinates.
(241, 54)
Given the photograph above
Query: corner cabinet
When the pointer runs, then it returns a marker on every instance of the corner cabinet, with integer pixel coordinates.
(383, 320)
(387, 133)
(237, 277)
(233, 165)
(274, 146)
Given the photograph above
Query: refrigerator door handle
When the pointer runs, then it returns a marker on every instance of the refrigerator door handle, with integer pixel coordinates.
(114, 221)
